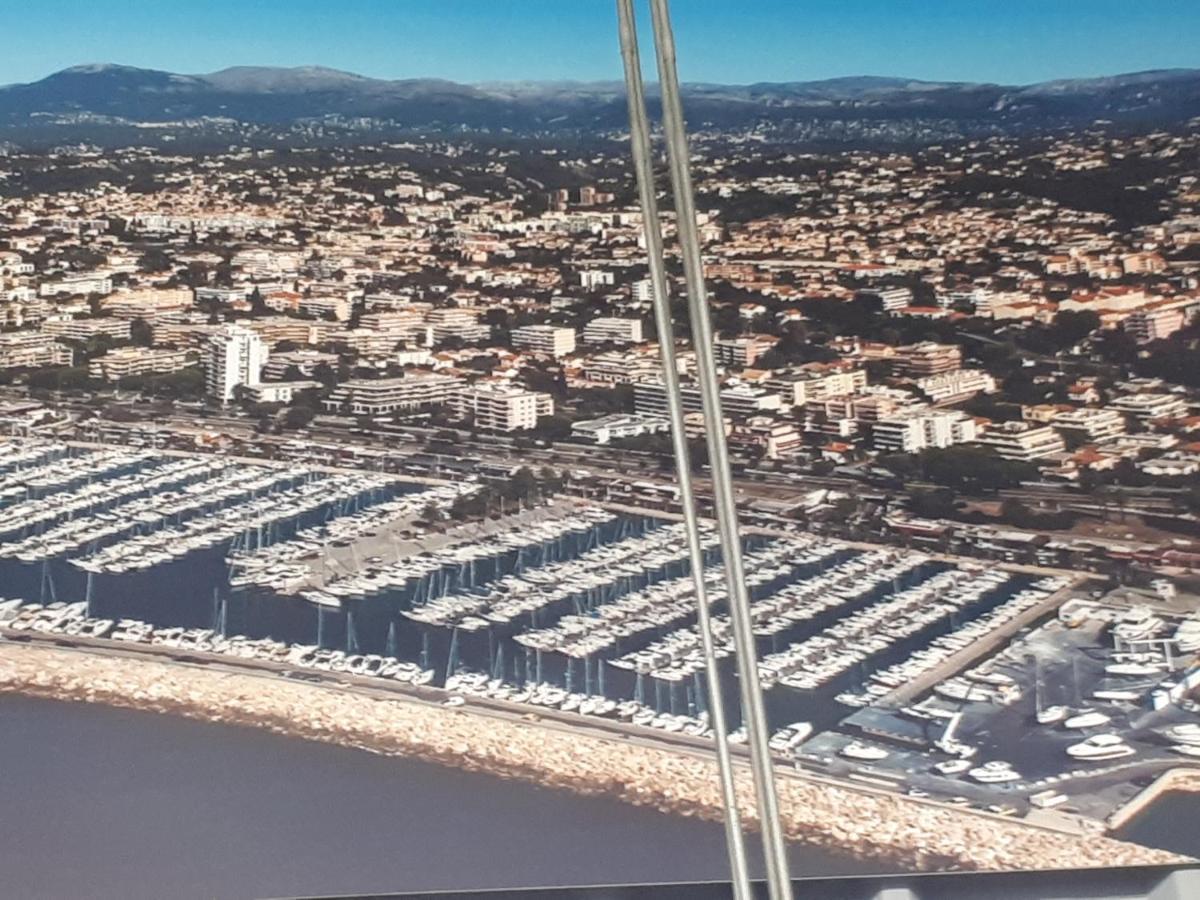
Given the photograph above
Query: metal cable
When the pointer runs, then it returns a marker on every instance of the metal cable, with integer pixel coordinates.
(639, 139)
(753, 710)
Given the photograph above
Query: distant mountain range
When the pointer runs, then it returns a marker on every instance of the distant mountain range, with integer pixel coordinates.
(279, 96)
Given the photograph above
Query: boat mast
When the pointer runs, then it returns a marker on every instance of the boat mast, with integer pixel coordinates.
(1037, 685)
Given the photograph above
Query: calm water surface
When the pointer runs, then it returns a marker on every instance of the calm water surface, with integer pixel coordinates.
(1172, 823)
(106, 803)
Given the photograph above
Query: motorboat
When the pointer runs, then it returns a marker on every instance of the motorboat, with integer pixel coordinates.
(1185, 733)
(859, 750)
(995, 772)
(790, 737)
(1117, 696)
(1100, 747)
(1137, 624)
(952, 766)
(1135, 668)
(1052, 715)
(1089, 718)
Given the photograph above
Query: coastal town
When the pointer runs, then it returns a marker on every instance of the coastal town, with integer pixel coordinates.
(383, 426)
(982, 325)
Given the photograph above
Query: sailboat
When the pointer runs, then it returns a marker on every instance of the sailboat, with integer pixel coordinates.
(1046, 715)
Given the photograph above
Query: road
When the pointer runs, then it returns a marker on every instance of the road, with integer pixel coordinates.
(417, 442)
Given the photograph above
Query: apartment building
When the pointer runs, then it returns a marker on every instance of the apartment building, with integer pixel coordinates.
(278, 391)
(546, 339)
(190, 329)
(917, 430)
(606, 429)
(956, 385)
(234, 356)
(591, 279)
(1093, 426)
(77, 283)
(32, 349)
(798, 387)
(147, 304)
(613, 330)
(380, 396)
(398, 325)
(225, 296)
(927, 359)
(305, 362)
(337, 308)
(502, 407)
(622, 367)
(1143, 263)
(895, 298)
(258, 263)
(273, 329)
(1022, 441)
(737, 400)
(1150, 406)
(456, 322)
(878, 403)
(742, 351)
(13, 265)
(86, 329)
(124, 362)
(1147, 325)
(775, 438)
(18, 307)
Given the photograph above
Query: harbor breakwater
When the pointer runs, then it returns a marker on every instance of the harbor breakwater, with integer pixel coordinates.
(889, 829)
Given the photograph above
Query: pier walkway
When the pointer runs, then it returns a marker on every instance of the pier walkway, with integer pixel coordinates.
(988, 645)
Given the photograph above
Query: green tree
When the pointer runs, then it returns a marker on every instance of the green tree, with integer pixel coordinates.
(1071, 327)
(140, 333)
(298, 416)
(553, 428)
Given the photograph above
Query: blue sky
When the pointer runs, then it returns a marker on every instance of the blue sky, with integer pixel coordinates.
(734, 41)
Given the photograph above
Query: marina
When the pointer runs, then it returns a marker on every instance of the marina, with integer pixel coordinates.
(1066, 738)
(589, 611)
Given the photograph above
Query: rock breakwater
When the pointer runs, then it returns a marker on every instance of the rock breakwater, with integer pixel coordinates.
(891, 829)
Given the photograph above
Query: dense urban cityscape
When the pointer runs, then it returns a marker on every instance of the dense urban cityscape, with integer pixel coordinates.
(383, 421)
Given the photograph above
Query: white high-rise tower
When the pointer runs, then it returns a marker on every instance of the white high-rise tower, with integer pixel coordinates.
(235, 356)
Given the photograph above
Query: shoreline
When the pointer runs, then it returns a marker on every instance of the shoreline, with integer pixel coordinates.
(886, 828)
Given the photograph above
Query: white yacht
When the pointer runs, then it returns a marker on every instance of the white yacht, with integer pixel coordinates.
(957, 689)
(790, 737)
(1101, 747)
(1187, 635)
(1137, 624)
(952, 766)
(1117, 696)
(859, 750)
(1135, 668)
(995, 772)
(1052, 715)
(1185, 733)
(1088, 718)
(996, 679)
